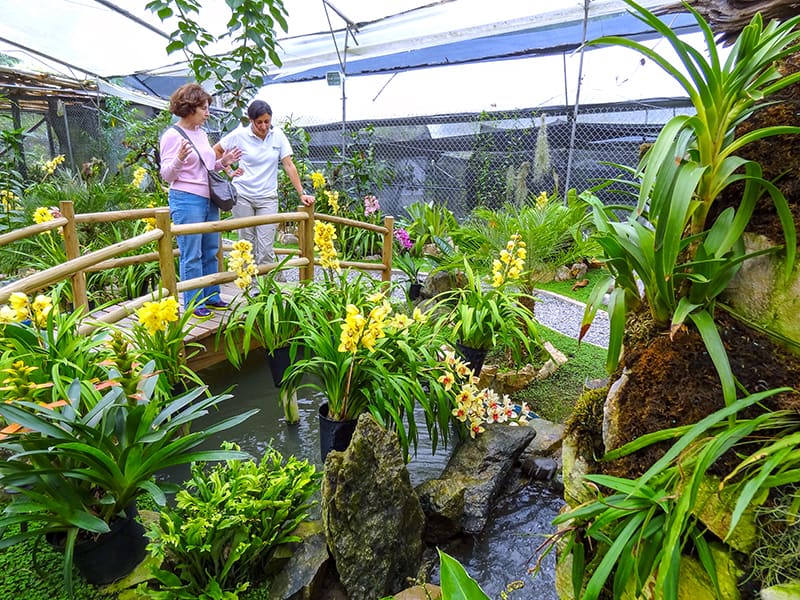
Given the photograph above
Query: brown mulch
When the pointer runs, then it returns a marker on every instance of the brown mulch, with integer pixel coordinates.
(674, 382)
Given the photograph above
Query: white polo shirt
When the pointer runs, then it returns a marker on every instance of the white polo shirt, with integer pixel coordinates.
(259, 160)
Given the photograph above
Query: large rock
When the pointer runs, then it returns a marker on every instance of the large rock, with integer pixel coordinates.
(611, 427)
(460, 500)
(305, 560)
(784, 591)
(760, 292)
(548, 440)
(438, 282)
(507, 381)
(693, 581)
(427, 591)
(372, 517)
(714, 508)
(541, 460)
(575, 467)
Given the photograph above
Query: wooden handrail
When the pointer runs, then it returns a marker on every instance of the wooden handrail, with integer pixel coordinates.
(60, 272)
(31, 230)
(351, 222)
(129, 214)
(77, 265)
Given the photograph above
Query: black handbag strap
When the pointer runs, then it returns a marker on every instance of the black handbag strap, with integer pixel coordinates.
(186, 137)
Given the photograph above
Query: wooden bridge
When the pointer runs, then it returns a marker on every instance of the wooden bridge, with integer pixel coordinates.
(164, 233)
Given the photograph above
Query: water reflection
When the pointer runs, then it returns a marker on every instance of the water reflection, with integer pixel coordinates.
(253, 388)
(501, 554)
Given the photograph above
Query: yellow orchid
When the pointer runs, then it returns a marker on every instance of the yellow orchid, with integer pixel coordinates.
(318, 180)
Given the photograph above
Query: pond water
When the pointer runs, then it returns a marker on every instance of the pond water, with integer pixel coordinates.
(502, 553)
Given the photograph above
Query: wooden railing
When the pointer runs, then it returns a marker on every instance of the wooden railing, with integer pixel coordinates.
(165, 232)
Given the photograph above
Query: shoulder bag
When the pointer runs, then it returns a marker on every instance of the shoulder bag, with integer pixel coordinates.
(220, 189)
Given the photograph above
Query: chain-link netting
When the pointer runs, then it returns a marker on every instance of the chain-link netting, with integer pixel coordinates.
(486, 159)
(72, 130)
(460, 161)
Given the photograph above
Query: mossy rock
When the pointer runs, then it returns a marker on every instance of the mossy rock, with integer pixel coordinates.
(714, 508)
(784, 591)
(695, 584)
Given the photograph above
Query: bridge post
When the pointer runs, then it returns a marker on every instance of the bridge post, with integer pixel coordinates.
(388, 239)
(305, 238)
(72, 249)
(166, 260)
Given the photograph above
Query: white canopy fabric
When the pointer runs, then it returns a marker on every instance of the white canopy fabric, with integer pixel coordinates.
(109, 38)
(403, 57)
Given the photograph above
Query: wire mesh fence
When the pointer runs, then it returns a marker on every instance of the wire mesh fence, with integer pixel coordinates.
(487, 159)
(76, 131)
(459, 160)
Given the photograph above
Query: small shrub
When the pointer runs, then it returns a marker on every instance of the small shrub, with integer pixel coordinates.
(227, 523)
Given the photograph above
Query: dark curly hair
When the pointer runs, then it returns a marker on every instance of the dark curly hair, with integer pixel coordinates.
(187, 98)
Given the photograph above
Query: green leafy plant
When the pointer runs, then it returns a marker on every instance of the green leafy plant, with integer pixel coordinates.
(486, 316)
(227, 523)
(251, 29)
(410, 266)
(555, 231)
(76, 464)
(270, 319)
(635, 535)
(456, 582)
(665, 242)
(425, 221)
(775, 557)
(356, 170)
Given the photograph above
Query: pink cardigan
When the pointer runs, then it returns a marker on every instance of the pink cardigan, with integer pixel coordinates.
(189, 175)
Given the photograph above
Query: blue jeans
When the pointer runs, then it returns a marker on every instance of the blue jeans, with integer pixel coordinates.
(198, 251)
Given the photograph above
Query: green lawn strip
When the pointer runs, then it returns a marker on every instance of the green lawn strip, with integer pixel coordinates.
(554, 397)
(40, 580)
(565, 288)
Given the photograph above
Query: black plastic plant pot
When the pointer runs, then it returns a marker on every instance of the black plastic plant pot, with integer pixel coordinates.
(474, 357)
(110, 556)
(334, 435)
(278, 363)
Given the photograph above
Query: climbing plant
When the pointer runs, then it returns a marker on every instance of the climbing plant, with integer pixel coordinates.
(238, 73)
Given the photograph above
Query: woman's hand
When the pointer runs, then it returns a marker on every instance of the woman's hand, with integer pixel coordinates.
(231, 156)
(307, 199)
(184, 150)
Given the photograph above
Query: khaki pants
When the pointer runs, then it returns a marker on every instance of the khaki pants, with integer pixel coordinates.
(263, 236)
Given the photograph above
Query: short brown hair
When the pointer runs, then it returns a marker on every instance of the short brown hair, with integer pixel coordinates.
(187, 98)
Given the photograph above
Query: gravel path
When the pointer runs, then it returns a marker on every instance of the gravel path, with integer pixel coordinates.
(565, 315)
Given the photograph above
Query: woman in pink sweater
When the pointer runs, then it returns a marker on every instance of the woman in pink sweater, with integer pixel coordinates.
(189, 202)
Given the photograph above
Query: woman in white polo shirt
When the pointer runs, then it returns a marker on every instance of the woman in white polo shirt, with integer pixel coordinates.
(263, 147)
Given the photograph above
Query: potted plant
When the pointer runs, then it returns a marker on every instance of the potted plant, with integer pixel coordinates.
(410, 268)
(485, 316)
(159, 332)
(77, 466)
(365, 357)
(269, 319)
(407, 263)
